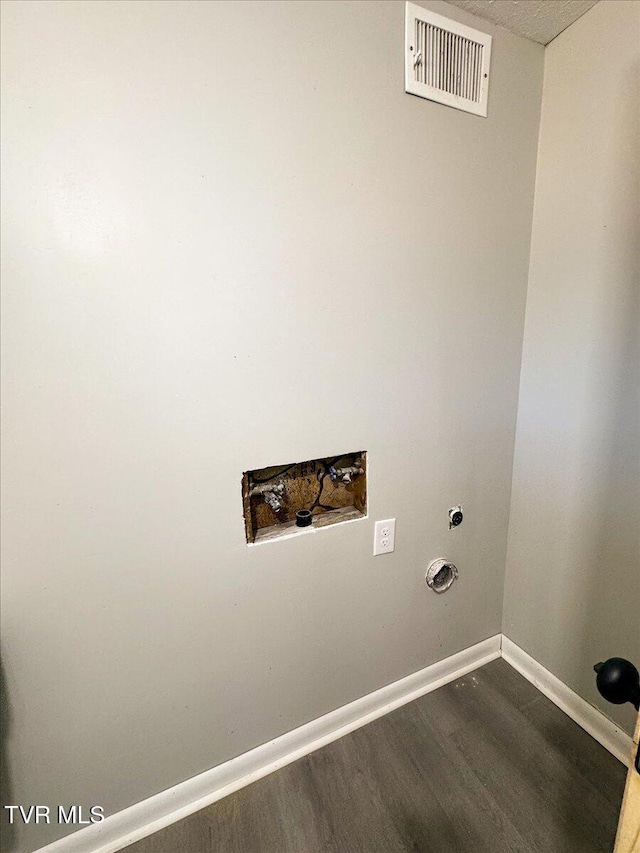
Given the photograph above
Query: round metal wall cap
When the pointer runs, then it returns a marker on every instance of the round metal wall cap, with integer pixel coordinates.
(440, 575)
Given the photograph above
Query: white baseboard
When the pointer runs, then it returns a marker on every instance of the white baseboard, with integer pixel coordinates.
(130, 825)
(590, 718)
(142, 819)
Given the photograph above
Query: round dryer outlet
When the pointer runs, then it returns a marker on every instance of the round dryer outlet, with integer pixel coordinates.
(440, 575)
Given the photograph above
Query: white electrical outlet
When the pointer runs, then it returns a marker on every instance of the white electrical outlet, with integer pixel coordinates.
(384, 537)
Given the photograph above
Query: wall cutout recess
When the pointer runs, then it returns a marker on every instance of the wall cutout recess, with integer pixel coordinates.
(283, 499)
(446, 61)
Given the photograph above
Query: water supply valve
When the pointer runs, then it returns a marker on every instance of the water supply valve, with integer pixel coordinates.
(346, 475)
(273, 494)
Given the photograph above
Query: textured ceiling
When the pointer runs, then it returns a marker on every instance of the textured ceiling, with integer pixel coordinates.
(539, 20)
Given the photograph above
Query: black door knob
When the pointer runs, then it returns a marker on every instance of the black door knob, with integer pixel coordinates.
(618, 681)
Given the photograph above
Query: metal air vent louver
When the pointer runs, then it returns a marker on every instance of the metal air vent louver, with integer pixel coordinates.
(446, 61)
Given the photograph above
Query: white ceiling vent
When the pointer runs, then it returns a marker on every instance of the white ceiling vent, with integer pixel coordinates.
(446, 61)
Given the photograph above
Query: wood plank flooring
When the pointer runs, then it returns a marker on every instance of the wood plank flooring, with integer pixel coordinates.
(485, 764)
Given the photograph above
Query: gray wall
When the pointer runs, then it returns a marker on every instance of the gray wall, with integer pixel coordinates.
(230, 241)
(572, 593)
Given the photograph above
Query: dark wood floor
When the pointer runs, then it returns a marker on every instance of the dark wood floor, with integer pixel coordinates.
(485, 765)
